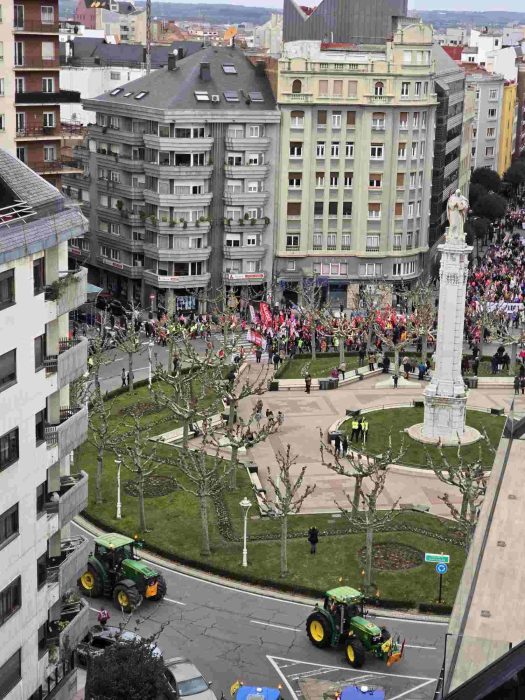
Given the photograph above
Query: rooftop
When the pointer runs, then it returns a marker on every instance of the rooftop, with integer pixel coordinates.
(95, 51)
(218, 78)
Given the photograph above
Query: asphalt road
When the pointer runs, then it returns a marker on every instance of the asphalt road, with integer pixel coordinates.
(231, 634)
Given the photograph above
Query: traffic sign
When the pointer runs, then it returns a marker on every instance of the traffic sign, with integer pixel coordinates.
(437, 558)
(441, 569)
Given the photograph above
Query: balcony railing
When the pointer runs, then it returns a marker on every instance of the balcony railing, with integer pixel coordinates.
(36, 25)
(70, 432)
(71, 627)
(71, 361)
(39, 97)
(66, 568)
(27, 63)
(15, 213)
(71, 499)
(69, 291)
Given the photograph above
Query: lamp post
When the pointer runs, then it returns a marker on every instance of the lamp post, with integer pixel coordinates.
(245, 505)
(150, 348)
(118, 462)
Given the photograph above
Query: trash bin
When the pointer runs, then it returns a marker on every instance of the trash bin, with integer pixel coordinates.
(274, 386)
(324, 384)
(333, 383)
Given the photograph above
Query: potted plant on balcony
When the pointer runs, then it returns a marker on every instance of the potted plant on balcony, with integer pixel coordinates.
(203, 218)
(241, 222)
(153, 219)
(266, 220)
(120, 204)
(253, 222)
(172, 222)
(198, 223)
(246, 216)
(142, 215)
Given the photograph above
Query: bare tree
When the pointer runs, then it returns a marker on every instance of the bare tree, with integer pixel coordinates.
(102, 436)
(311, 303)
(289, 497)
(488, 318)
(130, 344)
(420, 301)
(391, 335)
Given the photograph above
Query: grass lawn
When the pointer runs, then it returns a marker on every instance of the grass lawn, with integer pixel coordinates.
(174, 525)
(394, 421)
(320, 367)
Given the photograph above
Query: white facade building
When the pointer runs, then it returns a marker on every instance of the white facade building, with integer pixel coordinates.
(39, 428)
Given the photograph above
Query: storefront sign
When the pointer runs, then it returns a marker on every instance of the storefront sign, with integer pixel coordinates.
(112, 263)
(245, 276)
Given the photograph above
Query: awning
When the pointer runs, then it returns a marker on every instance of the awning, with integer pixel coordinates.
(92, 289)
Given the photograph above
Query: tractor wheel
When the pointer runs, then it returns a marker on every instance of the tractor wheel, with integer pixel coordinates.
(162, 589)
(385, 635)
(318, 630)
(355, 652)
(91, 583)
(127, 599)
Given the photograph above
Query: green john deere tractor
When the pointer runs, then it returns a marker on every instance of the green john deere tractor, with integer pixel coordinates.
(342, 621)
(115, 571)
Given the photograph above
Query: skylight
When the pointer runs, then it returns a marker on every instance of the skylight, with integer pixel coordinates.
(116, 91)
(229, 68)
(140, 95)
(231, 95)
(202, 96)
(128, 94)
(256, 96)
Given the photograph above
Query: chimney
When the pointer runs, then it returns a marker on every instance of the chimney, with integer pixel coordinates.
(204, 72)
(172, 62)
(260, 68)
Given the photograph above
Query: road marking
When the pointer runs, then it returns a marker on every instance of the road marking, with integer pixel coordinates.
(176, 602)
(415, 646)
(271, 624)
(406, 619)
(283, 677)
(412, 690)
(345, 668)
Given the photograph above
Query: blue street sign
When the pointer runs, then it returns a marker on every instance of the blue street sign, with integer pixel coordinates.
(441, 568)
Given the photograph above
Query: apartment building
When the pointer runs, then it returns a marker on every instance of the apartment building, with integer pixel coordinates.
(449, 86)
(30, 123)
(520, 113)
(179, 173)
(40, 426)
(508, 126)
(465, 156)
(356, 160)
(487, 121)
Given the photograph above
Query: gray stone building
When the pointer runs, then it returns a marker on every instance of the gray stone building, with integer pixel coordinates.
(179, 170)
(487, 121)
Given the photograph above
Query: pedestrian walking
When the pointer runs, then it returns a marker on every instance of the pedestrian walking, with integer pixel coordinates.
(313, 539)
(342, 369)
(276, 360)
(371, 361)
(258, 355)
(337, 445)
(123, 377)
(344, 445)
(280, 418)
(517, 384)
(103, 616)
(258, 418)
(522, 385)
(308, 383)
(396, 379)
(270, 356)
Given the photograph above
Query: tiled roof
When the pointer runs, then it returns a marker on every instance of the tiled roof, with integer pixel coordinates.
(25, 183)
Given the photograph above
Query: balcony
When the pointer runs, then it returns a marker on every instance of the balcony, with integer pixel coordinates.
(70, 432)
(71, 563)
(243, 171)
(69, 291)
(55, 167)
(259, 143)
(244, 252)
(30, 63)
(176, 254)
(243, 278)
(192, 228)
(71, 499)
(247, 225)
(178, 171)
(133, 271)
(71, 361)
(176, 282)
(379, 99)
(66, 129)
(297, 97)
(35, 26)
(198, 200)
(245, 198)
(47, 98)
(178, 145)
(70, 628)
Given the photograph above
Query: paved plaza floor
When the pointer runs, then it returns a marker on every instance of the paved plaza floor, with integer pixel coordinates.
(306, 414)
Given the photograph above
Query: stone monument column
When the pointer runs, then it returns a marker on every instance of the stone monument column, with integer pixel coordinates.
(445, 397)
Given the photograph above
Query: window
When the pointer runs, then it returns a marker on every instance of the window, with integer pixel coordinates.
(47, 14)
(41, 498)
(338, 88)
(293, 208)
(50, 154)
(374, 181)
(424, 119)
(256, 96)
(297, 120)
(9, 525)
(48, 85)
(10, 673)
(252, 265)
(2, 87)
(40, 351)
(254, 159)
(332, 208)
(114, 75)
(405, 87)
(418, 208)
(331, 241)
(19, 53)
(296, 150)
(292, 241)
(412, 179)
(290, 265)
(336, 120)
(229, 68)
(420, 180)
(8, 448)
(7, 289)
(323, 88)
(370, 269)
(349, 149)
(297, 87)
(40, 420)
(422, 147)
(398, 211)
(114, 122)
(42, 640)
(321, 117)
(379, 89)
(49, 119)
(410, 210)
(10, 601)
(318, 241)
(200, 96)
(294, 181)
(402, 151)
(352, 88)
(489, 151)
(334, 179)
(334, 149)
(425, 87)
(407, 56)
(491, 132)
(347, 182)
(415, 120)
(7, 369)
(492, 113)
(20, 84)
(345, 241)
(372, 243)
(18, 17)
(318, 208)
(493, 94)
(254, 131)
(320, 149)
(376, 151)
(142, 95)
(350, 119)
(41, 571)
(347, 210)
(319, 179)
(48, 51)
(374, 210)
(397, 246)
(400, 180)
(417, 88)
(231, 95)
(250, 241)
(2, 122)
(378, 120)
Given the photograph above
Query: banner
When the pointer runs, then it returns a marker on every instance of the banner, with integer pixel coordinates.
(266, 317)
(252, 314)
(507, 307)
(254, 337)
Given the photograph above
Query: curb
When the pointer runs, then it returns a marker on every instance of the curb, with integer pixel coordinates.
(251, 589)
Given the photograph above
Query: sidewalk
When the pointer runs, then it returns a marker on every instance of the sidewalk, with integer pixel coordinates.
(305, 415)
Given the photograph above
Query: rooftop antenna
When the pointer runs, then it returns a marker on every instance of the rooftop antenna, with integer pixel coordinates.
(148, 37)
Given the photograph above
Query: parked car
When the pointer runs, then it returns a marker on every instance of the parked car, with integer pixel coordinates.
(99, 639)
(185, 679)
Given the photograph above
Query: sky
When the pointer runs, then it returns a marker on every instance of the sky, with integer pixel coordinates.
(466, 5)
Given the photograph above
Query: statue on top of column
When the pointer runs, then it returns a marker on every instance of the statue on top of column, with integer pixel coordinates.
(457, 209)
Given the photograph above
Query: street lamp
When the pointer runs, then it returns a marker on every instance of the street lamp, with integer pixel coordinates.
(118, 462)
(150, 348)
(245, 505)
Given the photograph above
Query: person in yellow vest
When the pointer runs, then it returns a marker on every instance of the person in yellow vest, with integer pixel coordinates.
(364, 430)
(355, 430)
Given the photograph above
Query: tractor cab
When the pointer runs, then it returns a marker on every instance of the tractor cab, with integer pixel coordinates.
(343, 604)
(239, 691)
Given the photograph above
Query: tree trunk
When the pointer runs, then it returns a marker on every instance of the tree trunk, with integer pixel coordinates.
(185, 431)
(368, 563)
(284, 543)
(357, 491)
(369, 338)
(424, 347)
(233, 473)
(98, 476)
(205, 545)
(341, 350)
(513, 353)
(396, 360)
(313, 341)
(464, 505)
(130, 371)
(142, 509)
(231, 412)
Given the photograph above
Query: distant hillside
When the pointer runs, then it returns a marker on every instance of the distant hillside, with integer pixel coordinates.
(216, 13)
(445, 18)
